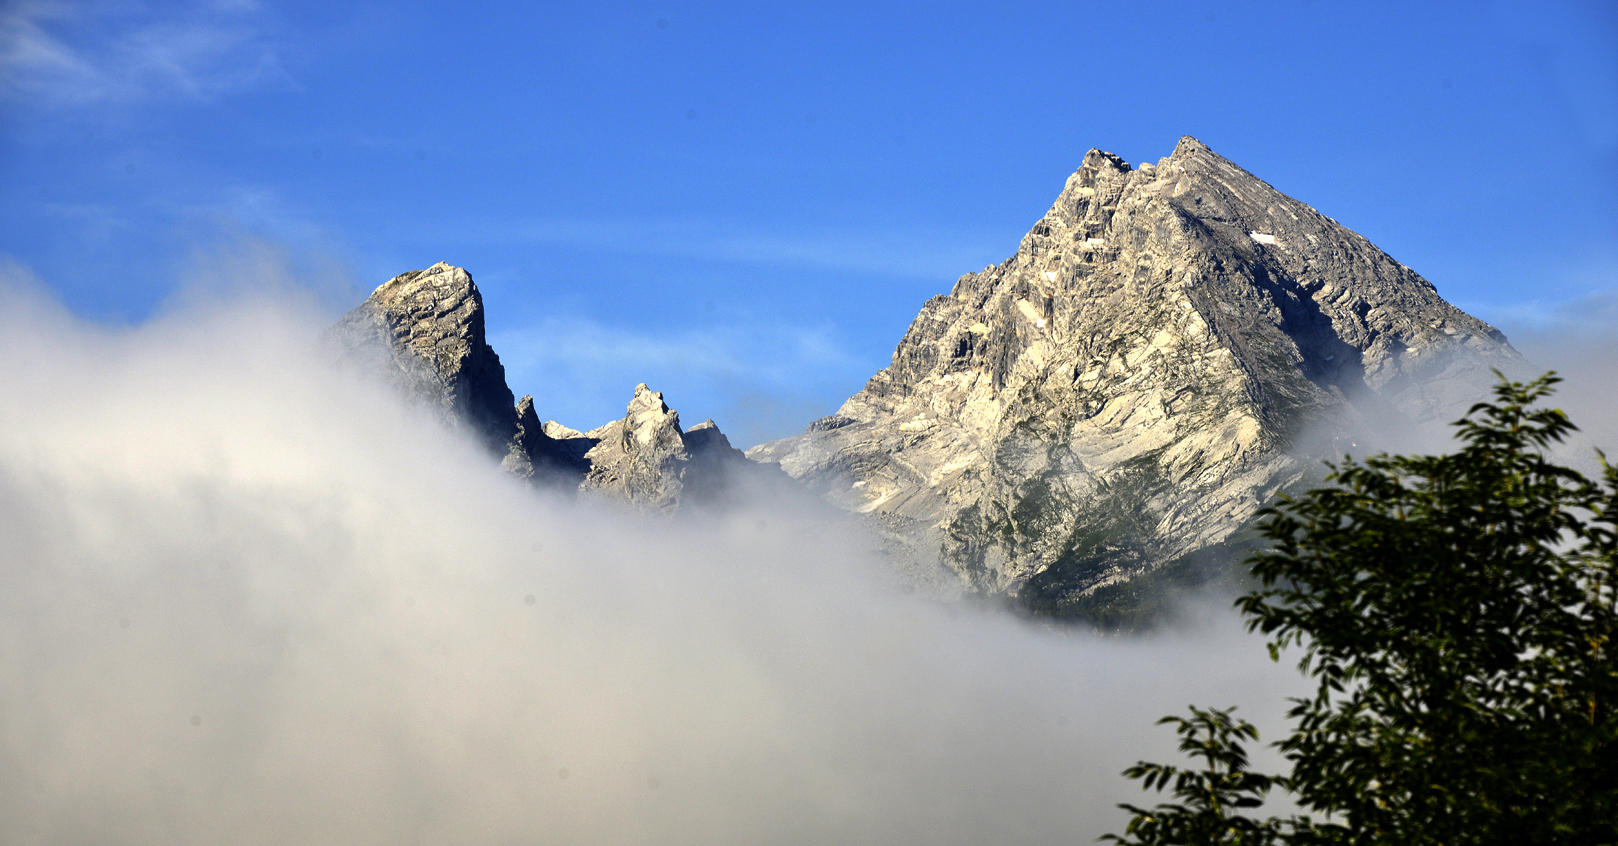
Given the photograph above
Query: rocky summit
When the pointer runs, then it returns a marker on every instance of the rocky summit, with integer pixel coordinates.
(423, 331)
(1170, 346)
(646, 460)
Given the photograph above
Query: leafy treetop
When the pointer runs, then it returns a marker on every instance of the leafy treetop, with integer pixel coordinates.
(1457, 613)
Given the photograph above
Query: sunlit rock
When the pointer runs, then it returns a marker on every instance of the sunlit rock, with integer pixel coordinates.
(423, 330)
(1168, 348)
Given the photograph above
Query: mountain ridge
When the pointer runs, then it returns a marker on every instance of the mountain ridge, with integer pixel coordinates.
(423, 331)
(1168, 347)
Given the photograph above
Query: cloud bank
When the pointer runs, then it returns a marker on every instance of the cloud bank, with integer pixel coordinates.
(244, 598)
(1579, 340)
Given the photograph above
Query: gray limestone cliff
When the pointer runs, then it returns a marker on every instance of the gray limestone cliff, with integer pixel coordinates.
(1169, 346)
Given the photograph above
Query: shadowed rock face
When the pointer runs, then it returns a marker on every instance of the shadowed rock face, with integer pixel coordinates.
(1137, 379)
(424, 330)
(536, 457)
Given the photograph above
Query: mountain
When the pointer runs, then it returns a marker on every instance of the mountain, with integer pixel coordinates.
(423, 332)
(646, 460)
(1169, 347)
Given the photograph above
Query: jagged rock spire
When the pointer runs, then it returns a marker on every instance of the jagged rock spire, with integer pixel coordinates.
(646, 460)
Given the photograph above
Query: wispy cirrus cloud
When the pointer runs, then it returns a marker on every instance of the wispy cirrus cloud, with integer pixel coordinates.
(1559, 296)
(910, 253)
(66, 55)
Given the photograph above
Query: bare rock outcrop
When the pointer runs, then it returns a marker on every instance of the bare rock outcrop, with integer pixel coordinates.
(423, 331)
(1169, 346)
(646, 459)
(641, 458)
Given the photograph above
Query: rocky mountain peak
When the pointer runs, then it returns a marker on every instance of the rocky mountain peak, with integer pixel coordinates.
(1186, 146)
(649, 422)
(1131, 384)
(646, 460)
(706, 435)
(424, 330)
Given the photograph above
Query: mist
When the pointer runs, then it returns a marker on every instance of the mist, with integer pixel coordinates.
(247, 598)
(1579, 340)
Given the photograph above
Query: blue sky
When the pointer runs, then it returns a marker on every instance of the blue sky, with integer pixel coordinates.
(745, 204)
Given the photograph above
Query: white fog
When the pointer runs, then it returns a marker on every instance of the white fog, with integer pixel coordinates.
(248, 599)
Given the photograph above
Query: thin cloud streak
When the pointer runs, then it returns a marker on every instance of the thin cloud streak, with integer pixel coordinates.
(1577, 336)
(1579, 339)
(917, 255)
(581, 372)
(729, 349)
(130, 54)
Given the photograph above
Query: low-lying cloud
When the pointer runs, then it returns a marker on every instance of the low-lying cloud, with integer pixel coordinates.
(1579, 340)
(247, 599)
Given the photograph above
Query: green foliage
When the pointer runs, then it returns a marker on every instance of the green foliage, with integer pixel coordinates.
(1458, 615)
(1211, 797)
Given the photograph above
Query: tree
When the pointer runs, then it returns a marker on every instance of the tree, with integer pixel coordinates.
(1213, 796)
(1457, 614)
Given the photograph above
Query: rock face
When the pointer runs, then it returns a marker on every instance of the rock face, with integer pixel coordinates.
(642, 457)
(424, 332)
(646, 460)
(1130, 386)
(535, 456)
